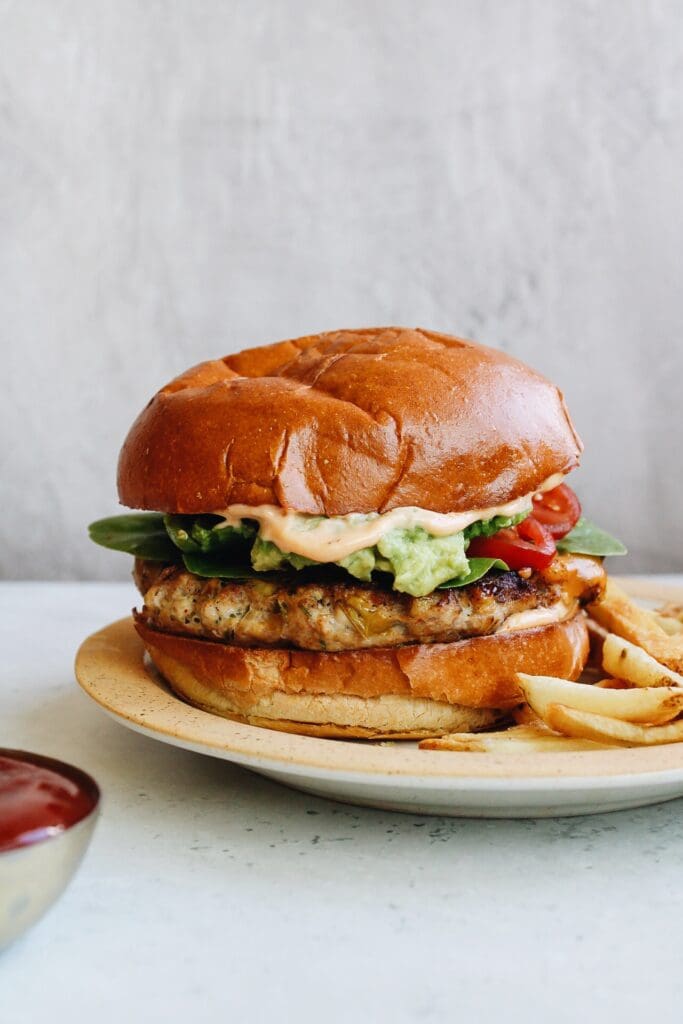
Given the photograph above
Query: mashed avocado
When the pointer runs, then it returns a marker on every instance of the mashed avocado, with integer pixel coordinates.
(418, 561)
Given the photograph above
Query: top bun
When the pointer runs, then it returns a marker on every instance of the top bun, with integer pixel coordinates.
(349, 421)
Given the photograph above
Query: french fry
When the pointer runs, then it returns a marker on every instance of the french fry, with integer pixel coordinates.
(653, 705)
(515, 740)
(640, 704)
(628, 661)
(620, 615)
(671, 626)
(582, 725)
(596, 638)
(614, 684)
(672, 612)
(524, 715)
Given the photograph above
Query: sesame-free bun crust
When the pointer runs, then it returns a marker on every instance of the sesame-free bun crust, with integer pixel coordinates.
(407, 692)
(350, 421)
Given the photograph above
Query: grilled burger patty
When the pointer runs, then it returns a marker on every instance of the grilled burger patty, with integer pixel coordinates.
(349, 616)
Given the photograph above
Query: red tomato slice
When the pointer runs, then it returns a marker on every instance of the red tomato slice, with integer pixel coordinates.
(529, 545)
(559, 510)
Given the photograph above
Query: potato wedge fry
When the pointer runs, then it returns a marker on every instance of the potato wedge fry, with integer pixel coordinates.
(652, 705)
(516, 740)
(620, 615)
(600, 728)
(628, 661)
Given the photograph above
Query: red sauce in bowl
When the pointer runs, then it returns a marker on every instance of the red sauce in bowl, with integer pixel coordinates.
(40, 798)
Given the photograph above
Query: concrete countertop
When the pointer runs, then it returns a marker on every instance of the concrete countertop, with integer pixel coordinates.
(209, 891)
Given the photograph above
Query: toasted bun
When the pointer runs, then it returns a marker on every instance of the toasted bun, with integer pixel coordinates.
(351, 421)
(409, 692)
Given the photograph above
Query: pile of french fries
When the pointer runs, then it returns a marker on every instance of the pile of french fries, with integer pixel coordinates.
(639, 702)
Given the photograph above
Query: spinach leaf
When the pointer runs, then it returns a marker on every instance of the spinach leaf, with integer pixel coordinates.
(478, 568)
(588, 539)
(195, 534)
(223, 567)
(142, 534)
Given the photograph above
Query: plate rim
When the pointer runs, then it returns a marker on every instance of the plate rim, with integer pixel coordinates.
(510, 784)
(148, 707)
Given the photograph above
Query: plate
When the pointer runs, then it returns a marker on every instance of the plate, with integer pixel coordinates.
(112, 669)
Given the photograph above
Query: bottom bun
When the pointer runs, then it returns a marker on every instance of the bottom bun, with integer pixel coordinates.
(411, 692)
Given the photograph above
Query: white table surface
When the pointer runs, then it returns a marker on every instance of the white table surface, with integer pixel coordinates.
(209, 893)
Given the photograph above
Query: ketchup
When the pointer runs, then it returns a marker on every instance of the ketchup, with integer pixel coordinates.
(40, 798)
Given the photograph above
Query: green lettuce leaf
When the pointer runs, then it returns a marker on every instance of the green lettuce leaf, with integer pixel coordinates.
(142, 534)
(588, 539)
(478, 568)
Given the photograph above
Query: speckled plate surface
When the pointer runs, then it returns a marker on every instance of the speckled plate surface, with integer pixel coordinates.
(111, 668)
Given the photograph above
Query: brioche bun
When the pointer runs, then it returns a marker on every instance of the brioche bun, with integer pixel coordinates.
(355, 421)
(407, 692)
(349, 421)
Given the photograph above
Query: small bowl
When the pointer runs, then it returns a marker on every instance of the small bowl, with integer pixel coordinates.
(33, 876)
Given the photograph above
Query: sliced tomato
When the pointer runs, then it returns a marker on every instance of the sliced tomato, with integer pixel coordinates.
(529, 545)
(559, 510)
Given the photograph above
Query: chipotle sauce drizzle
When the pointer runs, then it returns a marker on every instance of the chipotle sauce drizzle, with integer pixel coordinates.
(40, 798)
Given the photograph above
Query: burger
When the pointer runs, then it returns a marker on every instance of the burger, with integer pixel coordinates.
(362, 533)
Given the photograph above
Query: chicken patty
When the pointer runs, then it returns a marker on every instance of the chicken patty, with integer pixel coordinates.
(343, 616)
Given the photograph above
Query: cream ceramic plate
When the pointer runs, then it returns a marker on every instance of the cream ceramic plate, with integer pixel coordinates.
(111, 669)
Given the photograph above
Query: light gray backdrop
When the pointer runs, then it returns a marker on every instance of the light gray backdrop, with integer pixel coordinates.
(181, 179)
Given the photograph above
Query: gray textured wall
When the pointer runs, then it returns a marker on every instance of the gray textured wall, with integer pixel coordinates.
(180, 179)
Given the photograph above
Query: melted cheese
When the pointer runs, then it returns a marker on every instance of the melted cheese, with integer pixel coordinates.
(331, 539)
